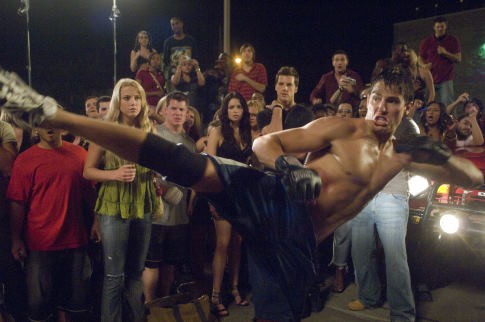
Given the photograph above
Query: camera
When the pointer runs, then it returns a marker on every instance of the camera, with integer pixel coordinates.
(351, 81)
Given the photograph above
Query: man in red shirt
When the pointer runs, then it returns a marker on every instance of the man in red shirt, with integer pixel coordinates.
(250, 77)
(342, 85)
(439, 52)
(46, 191)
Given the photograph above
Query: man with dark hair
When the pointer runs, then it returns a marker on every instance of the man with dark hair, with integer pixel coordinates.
(179, 44)
(90, 107)
(439, 52)
(250, 77)
(169, 238)
(286, 86)
(47, 191)
(282, 217)
(342, 85)
(102, 105)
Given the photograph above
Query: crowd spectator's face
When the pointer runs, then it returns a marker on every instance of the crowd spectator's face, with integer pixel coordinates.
(402, 54)
(344, 111)
(433, 113)
(285, 89)
(234, 110)
(103, 109)
(177, 26)
(90, 107)
(155, 61)
(247, 55)
(143, 39)
(439, 29)
(258, 97)
(340, 62)
(186, 66)
(363, 103)
(253, 113)
(189, 122)
(386, 108)
(330, 112)
(176, 113)
(50, 136)
(319, 114)
(418, 104)
(472, 109)
(465, 127)
(130, 102)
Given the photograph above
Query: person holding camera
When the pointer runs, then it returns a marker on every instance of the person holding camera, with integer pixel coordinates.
(342, 85)
(250, 77)
(188, 78)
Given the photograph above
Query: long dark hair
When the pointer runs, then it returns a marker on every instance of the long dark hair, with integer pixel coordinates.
(441, 124)
(137, 42)
(244, 127)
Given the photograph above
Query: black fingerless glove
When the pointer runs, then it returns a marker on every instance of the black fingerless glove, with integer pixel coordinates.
(302, 184)
(424, 150)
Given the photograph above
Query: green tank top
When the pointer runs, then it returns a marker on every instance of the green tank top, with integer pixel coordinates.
(130, 200)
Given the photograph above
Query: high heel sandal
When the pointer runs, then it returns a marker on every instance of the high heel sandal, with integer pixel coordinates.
(217, 308)
(236, 295)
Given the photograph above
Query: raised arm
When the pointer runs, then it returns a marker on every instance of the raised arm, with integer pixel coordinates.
(456, 170)
(428, 80)
(315, 136)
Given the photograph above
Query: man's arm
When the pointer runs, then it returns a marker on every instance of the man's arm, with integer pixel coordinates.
(316, 94)
(455, 58)
(315, 136)
(8, 153)
(17, 215)
(260, 87)
(428, 80)
(456, 170)
(276, 123)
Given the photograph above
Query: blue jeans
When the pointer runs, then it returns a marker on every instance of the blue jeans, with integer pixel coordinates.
(57, 280)
(125, 247)
(445, 92)
(341, 244)
(388, 213)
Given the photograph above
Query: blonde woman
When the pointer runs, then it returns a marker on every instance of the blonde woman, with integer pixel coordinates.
(126, 201)
(254, 107)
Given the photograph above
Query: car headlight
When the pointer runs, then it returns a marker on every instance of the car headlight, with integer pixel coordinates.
(417, 184)
(449, 223)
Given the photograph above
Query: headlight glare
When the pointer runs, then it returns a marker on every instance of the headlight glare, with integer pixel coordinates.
(449, 223)
(417, 184)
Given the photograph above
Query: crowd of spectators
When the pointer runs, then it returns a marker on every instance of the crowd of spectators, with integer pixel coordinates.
(155, 234)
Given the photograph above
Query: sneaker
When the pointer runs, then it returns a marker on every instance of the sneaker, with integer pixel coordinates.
(24, 103)
(356, 306)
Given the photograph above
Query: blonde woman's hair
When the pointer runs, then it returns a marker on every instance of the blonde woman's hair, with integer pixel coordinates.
(162, 103)
(258, 104)
(114, 114)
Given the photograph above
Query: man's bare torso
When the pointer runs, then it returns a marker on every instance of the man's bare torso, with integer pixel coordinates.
(353, 170)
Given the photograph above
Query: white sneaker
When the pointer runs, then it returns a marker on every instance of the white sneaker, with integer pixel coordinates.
(23, 102)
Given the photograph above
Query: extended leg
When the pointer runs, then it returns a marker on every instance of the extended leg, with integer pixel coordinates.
(146, 149)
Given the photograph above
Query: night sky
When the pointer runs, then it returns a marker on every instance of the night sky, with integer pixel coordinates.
(72, 40)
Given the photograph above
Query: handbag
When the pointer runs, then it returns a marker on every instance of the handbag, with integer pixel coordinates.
(179, 308)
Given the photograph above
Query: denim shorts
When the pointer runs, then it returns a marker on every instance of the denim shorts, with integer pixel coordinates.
(57, 280)
(278, 234)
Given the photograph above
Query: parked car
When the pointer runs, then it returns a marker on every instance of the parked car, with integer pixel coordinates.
(447, 224)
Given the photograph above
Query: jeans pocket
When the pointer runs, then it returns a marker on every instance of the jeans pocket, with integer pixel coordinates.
(399, 196)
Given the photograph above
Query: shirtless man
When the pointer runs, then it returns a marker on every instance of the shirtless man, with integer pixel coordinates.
(350, 161)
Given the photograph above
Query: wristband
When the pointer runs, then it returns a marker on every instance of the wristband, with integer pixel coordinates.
(278, 105)
(341, 89)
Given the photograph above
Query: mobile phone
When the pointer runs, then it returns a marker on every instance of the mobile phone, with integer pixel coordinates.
(447, 119)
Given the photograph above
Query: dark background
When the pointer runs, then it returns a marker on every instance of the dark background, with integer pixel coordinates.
(72, 40)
